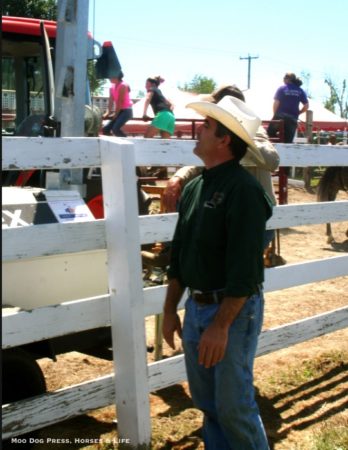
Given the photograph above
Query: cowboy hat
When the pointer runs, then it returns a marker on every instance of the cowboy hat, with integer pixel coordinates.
(234, 115)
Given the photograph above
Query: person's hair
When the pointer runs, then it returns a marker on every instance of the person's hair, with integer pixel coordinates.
(119, 76)
(156, 80)
(292, 78)
(237, 146)
(232, 90)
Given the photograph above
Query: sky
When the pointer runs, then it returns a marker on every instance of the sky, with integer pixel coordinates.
(185, 38)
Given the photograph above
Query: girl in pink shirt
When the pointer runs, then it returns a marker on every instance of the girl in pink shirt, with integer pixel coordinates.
(119, 108)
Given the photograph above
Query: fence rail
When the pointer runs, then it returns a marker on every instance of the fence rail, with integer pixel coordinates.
(124, 308)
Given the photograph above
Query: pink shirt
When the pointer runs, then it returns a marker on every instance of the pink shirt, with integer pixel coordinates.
(114, 91)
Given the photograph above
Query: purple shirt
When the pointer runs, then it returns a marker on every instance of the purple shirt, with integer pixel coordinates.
(289, 97)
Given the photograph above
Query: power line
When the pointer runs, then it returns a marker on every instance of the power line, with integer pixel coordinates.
(249, 58)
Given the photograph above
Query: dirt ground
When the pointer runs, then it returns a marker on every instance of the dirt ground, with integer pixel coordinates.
(290, 417)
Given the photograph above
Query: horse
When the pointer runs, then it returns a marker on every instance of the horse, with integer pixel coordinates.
(334, 179)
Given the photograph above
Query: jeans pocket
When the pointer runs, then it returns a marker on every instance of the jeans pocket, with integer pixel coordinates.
(249, 318)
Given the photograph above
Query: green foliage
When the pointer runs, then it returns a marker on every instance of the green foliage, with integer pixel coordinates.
(140, 94)
(96, 85)
(338, 98)
(39, 9)
(199, 85)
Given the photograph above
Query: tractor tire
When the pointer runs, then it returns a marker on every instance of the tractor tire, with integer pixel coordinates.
(21, 378)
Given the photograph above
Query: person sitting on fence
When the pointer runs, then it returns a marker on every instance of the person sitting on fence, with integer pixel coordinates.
(164, 121)
(123, 111)
(286, 107)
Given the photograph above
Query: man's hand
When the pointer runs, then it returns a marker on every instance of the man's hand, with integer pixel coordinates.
(171, 194)
(212, 345)
(171, 324)
(213, 342)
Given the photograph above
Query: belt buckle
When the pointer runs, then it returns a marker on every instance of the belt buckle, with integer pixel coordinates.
(194, 293)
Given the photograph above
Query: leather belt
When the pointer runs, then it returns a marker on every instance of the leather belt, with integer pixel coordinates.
(207, 298)
(213, 297)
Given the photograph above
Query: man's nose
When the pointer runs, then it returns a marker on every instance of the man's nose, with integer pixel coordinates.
(198, 131)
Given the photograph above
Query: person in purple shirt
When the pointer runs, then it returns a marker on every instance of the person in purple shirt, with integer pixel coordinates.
(286, 107)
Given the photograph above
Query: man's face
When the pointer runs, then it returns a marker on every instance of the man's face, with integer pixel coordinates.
(206, 139)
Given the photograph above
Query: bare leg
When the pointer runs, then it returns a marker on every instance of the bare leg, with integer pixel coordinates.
(329, 235)
(165, 134)
(150, 132)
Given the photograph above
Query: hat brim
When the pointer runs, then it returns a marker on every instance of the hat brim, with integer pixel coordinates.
(207, 109)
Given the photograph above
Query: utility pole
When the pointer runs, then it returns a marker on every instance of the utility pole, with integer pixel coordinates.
(71, 76)
(249, 58)
(71, 65)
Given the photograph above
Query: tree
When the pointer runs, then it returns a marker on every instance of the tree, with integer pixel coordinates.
(338, 98)
(200, 85)
(40, 9)
(96, 85)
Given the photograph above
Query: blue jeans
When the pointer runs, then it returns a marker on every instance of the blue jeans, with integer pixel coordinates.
(225, 392)
(116, 124)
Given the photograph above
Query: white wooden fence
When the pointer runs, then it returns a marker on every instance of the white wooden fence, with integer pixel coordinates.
(121, 234)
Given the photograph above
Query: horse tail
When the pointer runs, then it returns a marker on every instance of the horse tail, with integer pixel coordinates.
(325, 189)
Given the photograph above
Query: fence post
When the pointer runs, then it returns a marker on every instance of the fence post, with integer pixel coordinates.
(307, 171)
(126, 290)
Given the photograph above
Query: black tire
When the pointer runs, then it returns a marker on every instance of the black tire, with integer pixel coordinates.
(21, 378)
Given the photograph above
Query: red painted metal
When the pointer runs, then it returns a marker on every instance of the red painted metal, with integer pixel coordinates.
(27, 26)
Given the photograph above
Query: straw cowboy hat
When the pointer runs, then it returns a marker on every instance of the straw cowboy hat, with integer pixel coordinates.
(234, 115)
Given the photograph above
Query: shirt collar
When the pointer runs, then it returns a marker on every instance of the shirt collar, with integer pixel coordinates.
(208, 174)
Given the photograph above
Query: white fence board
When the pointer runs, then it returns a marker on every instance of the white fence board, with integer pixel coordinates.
(51, 321)
(45, 153)
(47, 322)
(290, 334)
(44, 410)
(50, 239)
(309, 155)
(286, 216)
(21, 153)
(290, 275)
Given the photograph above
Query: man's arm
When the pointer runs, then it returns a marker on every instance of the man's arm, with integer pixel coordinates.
(267, 150)
(175, 184)
(171, 319)
(304, 108)
(148, 98)
(107, 113)
(276, 104)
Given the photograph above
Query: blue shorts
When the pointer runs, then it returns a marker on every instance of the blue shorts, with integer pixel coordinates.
(165, 121)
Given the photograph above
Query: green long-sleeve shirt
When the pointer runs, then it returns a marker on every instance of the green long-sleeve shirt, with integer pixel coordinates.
(218, 241)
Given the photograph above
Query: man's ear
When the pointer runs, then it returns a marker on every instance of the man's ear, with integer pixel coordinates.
(226, 139)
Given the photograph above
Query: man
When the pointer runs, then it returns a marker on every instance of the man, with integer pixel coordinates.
(217, 253)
